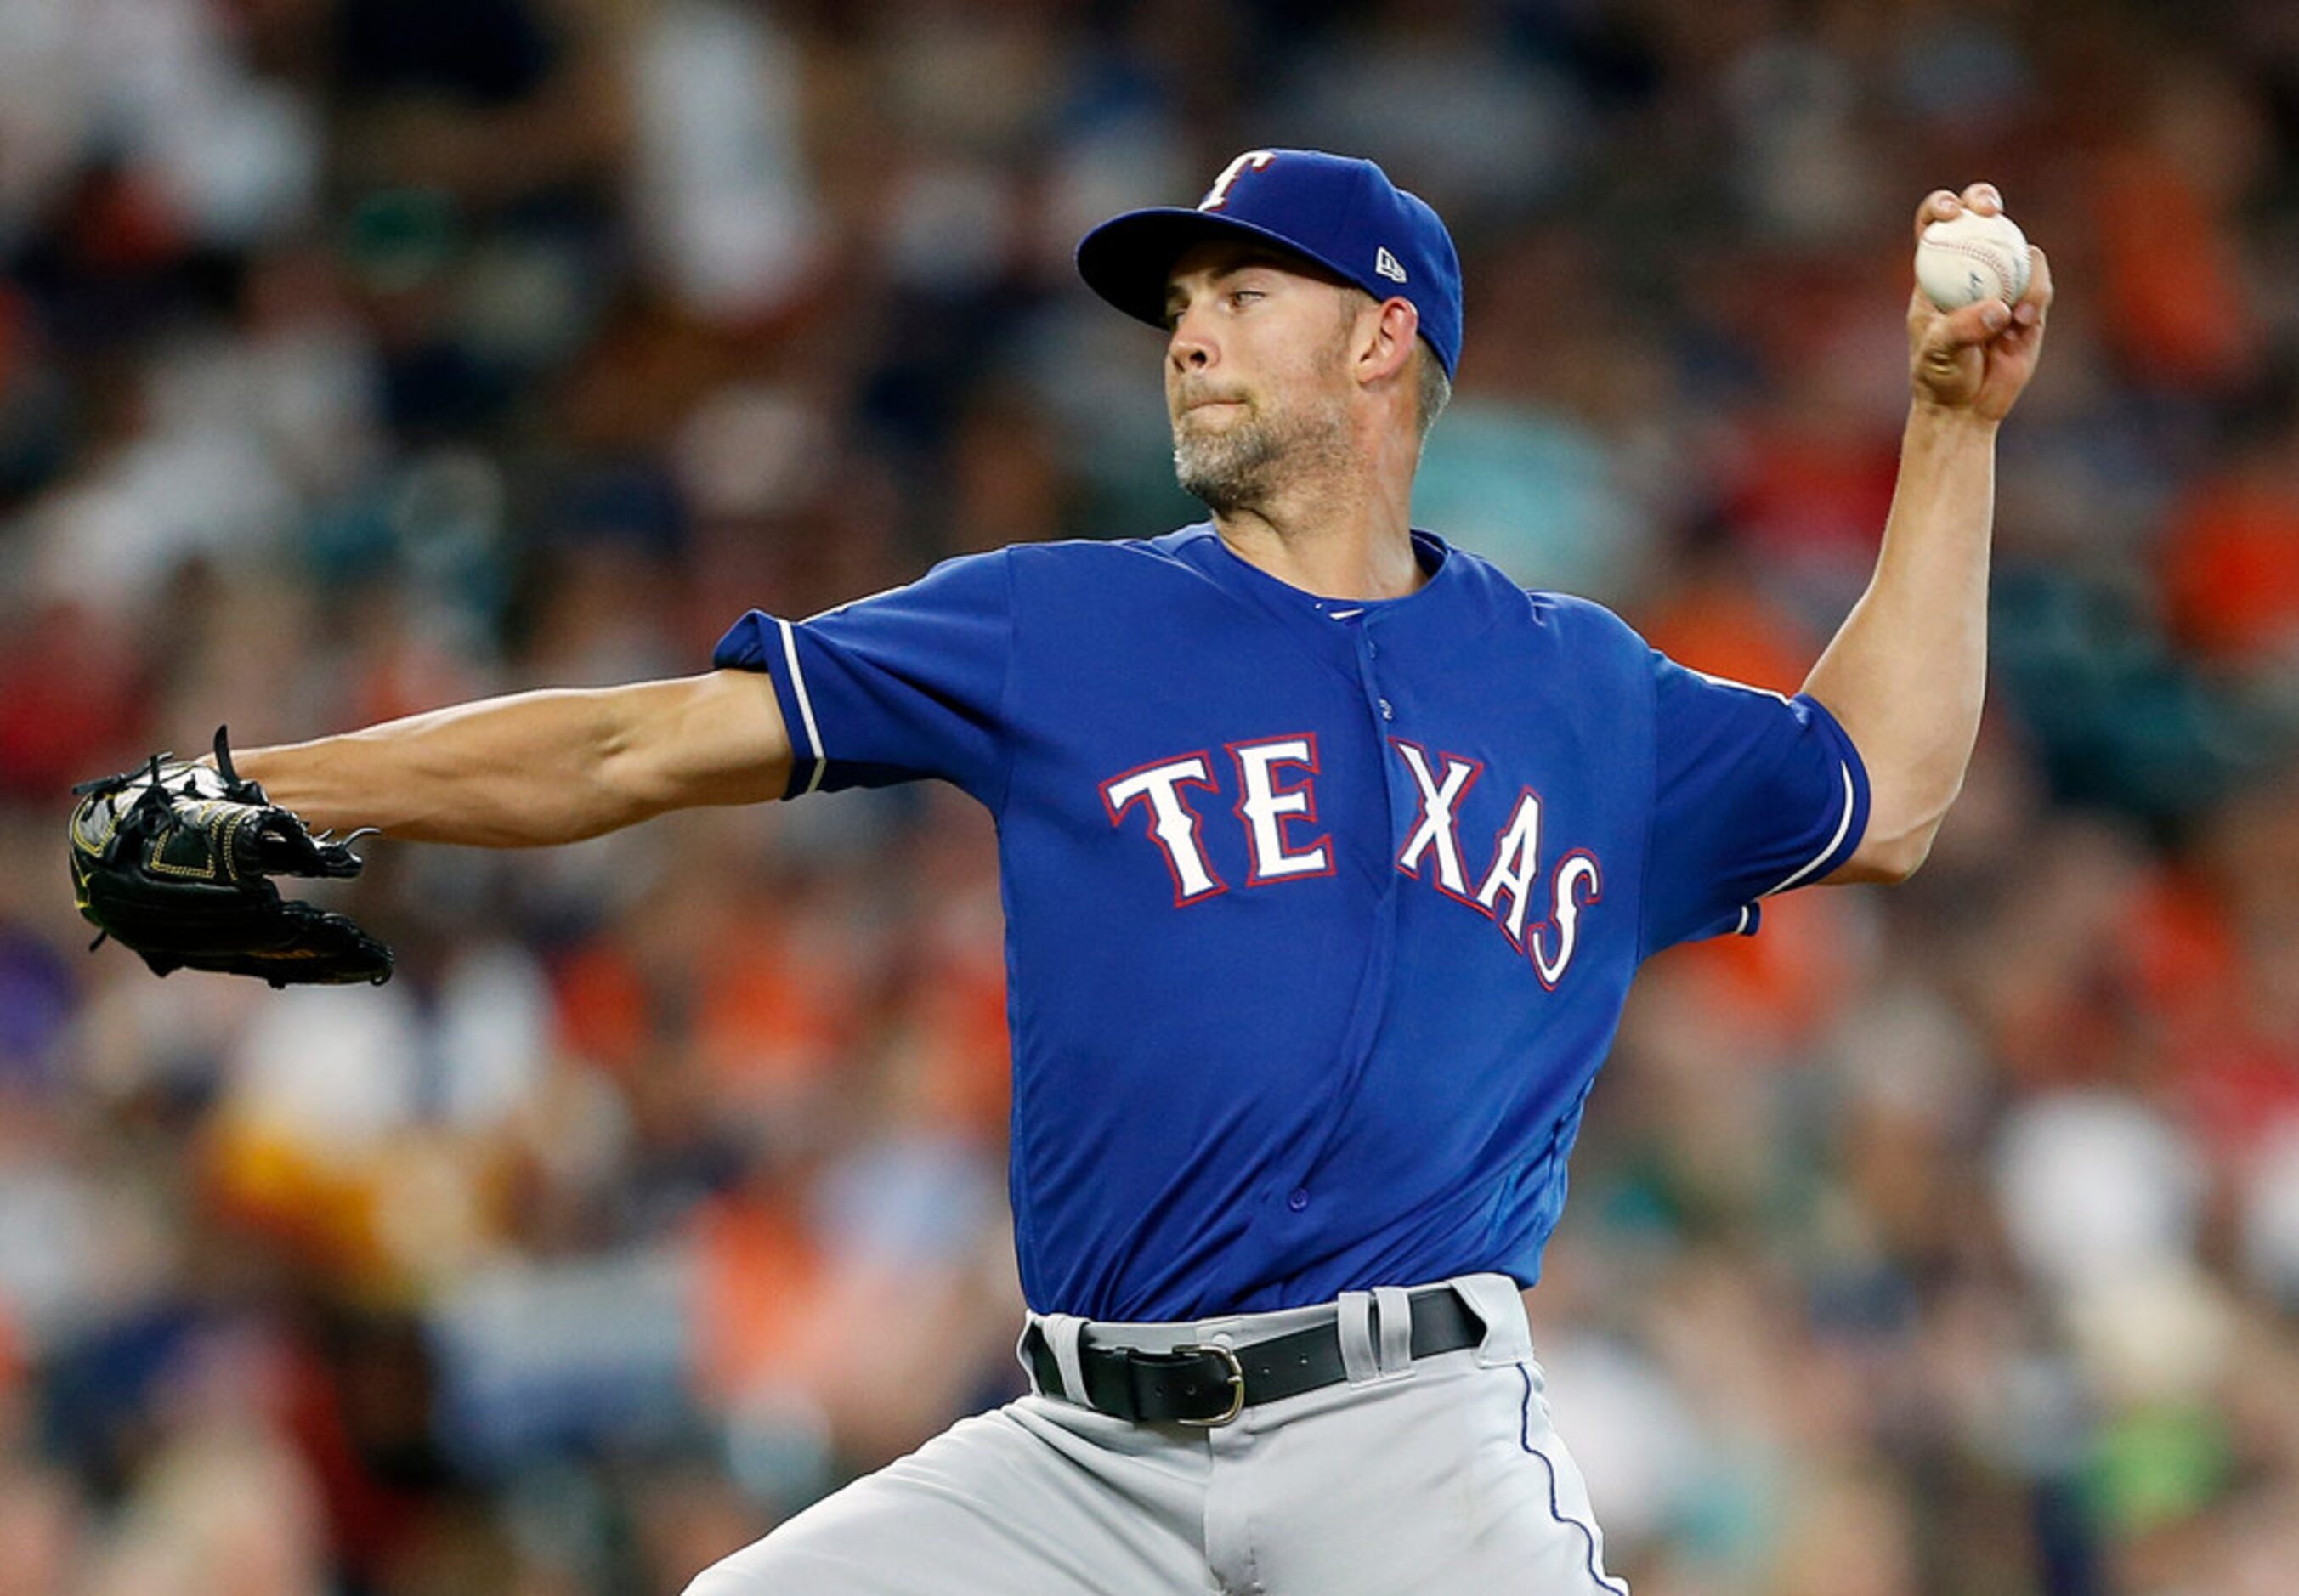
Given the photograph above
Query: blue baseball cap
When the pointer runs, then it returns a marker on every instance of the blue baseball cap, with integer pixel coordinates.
(1341, 213)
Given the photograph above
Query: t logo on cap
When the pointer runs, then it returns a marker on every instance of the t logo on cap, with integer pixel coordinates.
(1218, 195)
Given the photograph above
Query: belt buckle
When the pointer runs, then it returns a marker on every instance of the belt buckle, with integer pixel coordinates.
(1236, 1378)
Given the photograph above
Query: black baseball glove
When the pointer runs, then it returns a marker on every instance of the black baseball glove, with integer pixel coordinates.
(176, 861)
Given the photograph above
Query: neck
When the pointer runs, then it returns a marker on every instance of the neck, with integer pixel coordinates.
(1342, 533)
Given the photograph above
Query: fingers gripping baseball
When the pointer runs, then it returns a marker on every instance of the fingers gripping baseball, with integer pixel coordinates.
(1976, 358)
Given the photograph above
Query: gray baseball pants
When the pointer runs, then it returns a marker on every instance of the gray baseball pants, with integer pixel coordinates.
(1442, 1475)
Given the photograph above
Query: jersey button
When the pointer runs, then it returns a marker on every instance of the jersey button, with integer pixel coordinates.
(1386, 713)
(1299, 1199)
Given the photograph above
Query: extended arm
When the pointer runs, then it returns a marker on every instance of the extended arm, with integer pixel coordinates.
(1905, 673)
(540, 767)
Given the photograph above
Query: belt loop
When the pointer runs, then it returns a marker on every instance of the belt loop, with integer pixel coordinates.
(1498, 1301)
(1355, 1322)
(1061, 1331)
(1396, 1329)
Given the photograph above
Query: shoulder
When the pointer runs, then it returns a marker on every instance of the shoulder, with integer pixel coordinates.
(961, 582)
(1586, 619)
(1098, 554)
(1057, 566)
(1568, 620)
(1104, 566)
(989, 569)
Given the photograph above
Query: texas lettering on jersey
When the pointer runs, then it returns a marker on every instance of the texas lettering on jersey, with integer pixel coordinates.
(1275, 779)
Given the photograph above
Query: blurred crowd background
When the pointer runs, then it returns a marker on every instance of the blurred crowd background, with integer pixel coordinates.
(358, 356)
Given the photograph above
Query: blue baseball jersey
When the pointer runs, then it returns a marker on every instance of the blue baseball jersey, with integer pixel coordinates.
(1320, 913)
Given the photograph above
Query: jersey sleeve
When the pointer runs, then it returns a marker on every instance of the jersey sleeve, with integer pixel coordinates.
(1753, 794)
(908, 684)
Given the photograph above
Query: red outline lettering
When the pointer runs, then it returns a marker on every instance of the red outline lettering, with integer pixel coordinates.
(1203, 759)
(1256, 876)
(1532, 872)
(1451, 827)
(1565, 948)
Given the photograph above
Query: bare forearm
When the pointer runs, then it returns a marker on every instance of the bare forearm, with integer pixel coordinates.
(1907, 672)
(539, 768)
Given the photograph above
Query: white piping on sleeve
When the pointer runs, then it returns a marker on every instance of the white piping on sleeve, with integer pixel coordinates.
(806, 705)
(1726, 681)
(1842, 826)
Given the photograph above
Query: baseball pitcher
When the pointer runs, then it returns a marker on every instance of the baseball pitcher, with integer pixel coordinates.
(1329, 855)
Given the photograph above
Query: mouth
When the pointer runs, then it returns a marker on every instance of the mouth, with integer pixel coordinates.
(1191, 406)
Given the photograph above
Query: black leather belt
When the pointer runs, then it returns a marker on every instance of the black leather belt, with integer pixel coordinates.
(1209, 1385)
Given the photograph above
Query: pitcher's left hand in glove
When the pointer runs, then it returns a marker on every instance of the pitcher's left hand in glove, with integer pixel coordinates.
(176, 860)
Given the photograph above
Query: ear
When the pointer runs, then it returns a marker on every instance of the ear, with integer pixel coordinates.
(1385, 341)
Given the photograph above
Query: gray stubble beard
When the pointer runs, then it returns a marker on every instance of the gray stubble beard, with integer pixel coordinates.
(1243, 466)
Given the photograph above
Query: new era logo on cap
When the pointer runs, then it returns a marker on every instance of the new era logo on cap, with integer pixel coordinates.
(1338, 212)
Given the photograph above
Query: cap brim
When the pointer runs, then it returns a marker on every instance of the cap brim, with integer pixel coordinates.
(1128, 259)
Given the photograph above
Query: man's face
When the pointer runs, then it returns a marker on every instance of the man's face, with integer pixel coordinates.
(1256, 370)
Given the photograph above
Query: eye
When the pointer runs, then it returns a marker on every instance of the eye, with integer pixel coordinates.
(1239, 297)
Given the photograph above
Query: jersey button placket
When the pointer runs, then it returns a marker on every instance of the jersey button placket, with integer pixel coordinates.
(1356, 1044)
(1371, 650)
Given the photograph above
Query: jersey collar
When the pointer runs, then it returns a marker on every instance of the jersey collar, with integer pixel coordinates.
(1202, 546)
(1329, 626)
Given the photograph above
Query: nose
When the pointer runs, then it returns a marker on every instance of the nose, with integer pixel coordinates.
(1188, 347)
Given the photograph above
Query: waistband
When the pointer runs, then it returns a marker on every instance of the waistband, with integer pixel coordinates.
(1188, 1372)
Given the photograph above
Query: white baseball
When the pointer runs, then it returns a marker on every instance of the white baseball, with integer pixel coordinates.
(1971, 257)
